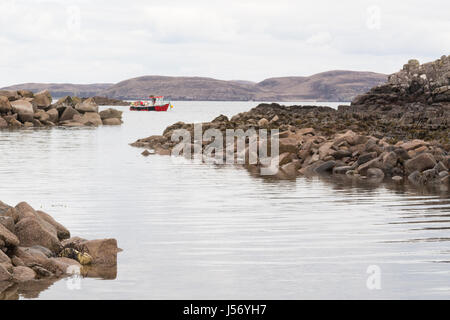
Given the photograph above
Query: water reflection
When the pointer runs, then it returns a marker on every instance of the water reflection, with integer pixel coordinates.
(203, 231)
(31, 289)
(28, 289)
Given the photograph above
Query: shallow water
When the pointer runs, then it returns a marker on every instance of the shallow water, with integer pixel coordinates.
(193, 231)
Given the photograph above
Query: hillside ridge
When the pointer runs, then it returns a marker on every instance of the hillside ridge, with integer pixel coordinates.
(334, 85)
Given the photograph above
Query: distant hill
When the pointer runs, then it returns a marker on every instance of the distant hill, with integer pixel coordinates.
(325, 86)
(63, 89)
(181, 88)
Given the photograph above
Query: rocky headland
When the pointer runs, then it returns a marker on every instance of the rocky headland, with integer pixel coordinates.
(36, 250)
(397, 131)
(25, 109)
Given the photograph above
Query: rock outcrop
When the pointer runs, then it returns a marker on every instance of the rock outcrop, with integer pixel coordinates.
(326, 148)
(104, 101)
(87, 105)
(415, 83)
(34, 246)
(23, 109)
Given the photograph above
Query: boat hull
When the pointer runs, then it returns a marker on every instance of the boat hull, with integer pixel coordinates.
(163, 107)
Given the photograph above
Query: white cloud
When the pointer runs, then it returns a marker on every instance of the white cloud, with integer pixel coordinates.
(107, 41)
(321, 38)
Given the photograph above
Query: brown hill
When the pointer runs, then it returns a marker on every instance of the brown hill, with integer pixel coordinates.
(326, 86)
(63, 89)
(180, 88)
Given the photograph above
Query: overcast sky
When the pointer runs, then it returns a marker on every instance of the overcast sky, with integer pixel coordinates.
(86, 41)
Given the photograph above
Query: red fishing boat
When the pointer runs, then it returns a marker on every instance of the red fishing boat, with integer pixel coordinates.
(156, 103)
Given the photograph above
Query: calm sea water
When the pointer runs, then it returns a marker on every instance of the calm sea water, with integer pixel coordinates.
(191, 231)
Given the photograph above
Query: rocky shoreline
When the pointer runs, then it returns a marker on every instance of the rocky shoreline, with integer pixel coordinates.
(35, 248)
(24, 109)
(104, 101)
(397, 131)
